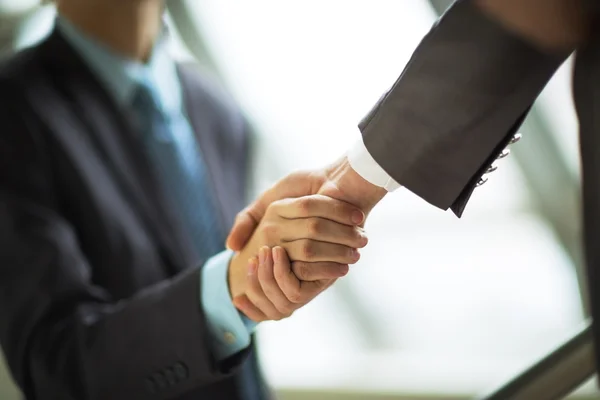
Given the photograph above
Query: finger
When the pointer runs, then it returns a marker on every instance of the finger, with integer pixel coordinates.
(318, 205)
(298, 184)
(309, 250)
(296, 291)
(322, 230)
(318, 271)
(286, 279)
(244, 225)
(256, 295)
(266, 278)
(244, 305)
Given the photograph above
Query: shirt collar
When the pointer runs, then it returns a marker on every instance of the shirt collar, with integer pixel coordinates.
(121, 76)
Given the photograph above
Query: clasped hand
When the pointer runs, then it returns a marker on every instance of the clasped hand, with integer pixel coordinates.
(298, 249)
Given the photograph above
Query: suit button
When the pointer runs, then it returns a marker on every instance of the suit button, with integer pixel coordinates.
(160, 381)
(491, 169)
(516, 138)
(229, 337)
(504, 153)
(181, 371)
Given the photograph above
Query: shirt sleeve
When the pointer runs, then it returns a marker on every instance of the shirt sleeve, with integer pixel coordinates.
(229, 330)
(365, 165)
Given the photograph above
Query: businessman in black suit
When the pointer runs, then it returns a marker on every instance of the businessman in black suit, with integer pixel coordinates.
(120, 174)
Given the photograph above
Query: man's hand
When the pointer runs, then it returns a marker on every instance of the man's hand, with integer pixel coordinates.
(338, 180)
(312, 229)
(276, 288)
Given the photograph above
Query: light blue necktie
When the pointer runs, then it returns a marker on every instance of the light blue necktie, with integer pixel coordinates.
(173, 151)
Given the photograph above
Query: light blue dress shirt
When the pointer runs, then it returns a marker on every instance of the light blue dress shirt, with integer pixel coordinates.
(230, 331)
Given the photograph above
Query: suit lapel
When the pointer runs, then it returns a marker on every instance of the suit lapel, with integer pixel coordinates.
(113, 136)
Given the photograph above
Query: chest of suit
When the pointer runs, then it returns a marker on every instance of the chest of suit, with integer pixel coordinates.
(126, 227)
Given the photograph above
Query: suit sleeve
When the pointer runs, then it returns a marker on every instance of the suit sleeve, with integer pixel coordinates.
(64, 337)
(457, 104)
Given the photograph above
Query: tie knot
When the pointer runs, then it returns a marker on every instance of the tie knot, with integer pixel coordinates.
(146, 101)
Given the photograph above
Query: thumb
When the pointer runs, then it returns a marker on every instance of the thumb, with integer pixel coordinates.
(243, 227)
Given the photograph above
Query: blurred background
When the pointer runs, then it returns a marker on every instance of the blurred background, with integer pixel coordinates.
(437, 307)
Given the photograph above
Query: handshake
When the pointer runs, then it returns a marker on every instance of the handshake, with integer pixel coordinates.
(297, 238)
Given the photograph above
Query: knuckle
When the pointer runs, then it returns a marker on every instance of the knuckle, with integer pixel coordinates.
(308, 250)
(315, 226)
(286, 310)
(273, 207)
(305, 205)
(302, 271)
(270, 211)
(270, 231)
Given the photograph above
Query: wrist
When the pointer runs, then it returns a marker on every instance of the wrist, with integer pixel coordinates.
(346, 184)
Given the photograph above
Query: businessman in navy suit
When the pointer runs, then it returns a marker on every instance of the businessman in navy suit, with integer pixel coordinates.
(120, 174)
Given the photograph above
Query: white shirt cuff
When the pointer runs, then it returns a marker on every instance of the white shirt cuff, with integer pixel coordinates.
(365, 165)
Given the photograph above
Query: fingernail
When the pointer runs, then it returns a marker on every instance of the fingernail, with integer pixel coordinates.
(252, 266)
(358, 217)
(355, 254)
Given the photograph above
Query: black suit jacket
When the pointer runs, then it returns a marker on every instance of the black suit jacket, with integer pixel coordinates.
(458, 103)
(99, 287)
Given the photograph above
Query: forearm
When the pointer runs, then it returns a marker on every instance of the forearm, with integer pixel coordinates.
(62, 334)
(153, 344)
(454, 108)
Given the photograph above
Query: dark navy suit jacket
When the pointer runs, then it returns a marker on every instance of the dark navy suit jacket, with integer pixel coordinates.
(99, 288)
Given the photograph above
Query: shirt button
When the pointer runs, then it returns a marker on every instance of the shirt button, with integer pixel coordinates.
(229, 337)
